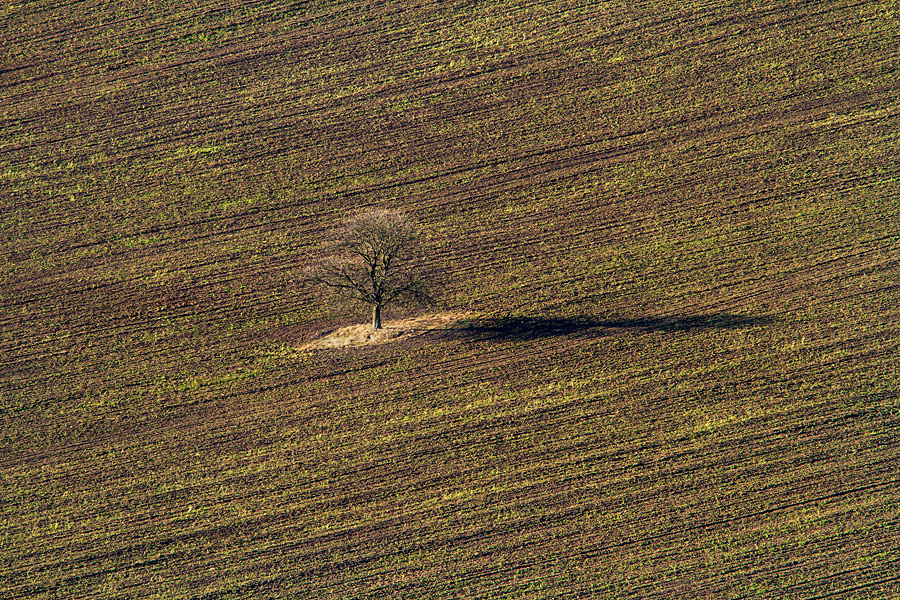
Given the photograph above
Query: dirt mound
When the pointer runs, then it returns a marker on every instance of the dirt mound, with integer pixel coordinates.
(391, 331)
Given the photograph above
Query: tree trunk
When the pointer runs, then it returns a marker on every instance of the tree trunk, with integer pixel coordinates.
(376, 317)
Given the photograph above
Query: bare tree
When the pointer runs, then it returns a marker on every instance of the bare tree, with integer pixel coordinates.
(374, 259)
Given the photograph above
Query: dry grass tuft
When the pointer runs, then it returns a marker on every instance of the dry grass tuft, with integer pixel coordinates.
(391, 331)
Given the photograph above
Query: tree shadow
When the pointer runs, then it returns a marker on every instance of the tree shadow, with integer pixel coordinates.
(531, 328)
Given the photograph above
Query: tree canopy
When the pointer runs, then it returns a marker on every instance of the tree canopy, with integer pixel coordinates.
(375, 259)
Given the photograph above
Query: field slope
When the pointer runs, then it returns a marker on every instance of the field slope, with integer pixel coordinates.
(674, 230)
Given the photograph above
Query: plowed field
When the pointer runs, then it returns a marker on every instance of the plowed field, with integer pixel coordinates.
(674, 228)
